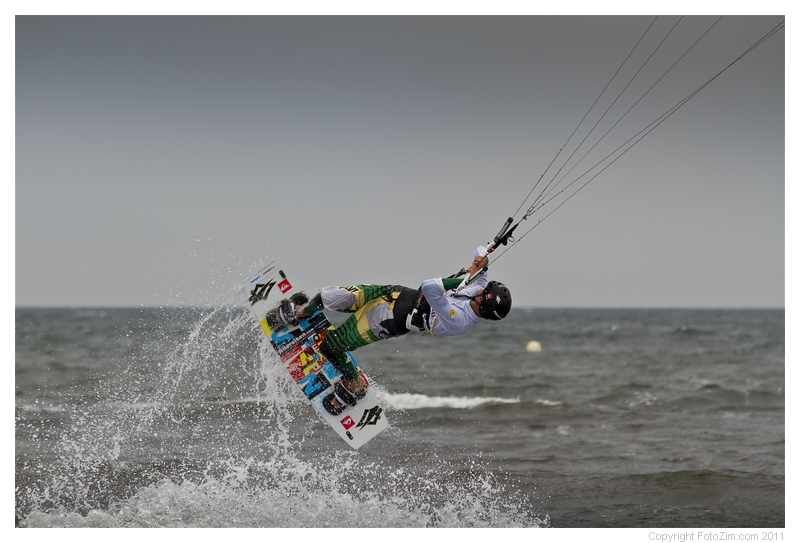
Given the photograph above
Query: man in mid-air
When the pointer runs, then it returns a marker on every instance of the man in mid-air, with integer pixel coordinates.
(438, 307)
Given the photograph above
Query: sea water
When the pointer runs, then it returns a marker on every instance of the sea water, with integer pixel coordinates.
(184, 417)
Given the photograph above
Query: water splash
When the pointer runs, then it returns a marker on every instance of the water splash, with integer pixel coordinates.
(203, 427)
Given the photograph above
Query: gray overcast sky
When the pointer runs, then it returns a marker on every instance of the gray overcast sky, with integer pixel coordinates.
(163, 160)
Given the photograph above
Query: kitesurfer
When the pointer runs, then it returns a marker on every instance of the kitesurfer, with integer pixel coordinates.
(386, 311)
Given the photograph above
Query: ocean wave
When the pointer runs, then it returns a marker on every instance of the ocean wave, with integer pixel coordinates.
(548, 403)
(421, 401)
(691, 331)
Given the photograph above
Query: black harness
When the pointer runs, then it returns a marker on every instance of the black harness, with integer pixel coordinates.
(411, 310)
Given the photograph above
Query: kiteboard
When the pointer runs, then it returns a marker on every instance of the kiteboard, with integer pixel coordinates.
(298, 348)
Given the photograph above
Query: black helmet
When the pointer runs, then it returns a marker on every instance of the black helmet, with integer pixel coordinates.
(496, 301)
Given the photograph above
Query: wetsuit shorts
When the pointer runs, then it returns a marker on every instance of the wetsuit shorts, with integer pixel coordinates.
(379, 312)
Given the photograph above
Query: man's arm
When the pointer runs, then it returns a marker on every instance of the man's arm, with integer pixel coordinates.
(434, 289)
(480, 262)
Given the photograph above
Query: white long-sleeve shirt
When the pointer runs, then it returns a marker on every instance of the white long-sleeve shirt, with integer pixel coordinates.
(452, 314)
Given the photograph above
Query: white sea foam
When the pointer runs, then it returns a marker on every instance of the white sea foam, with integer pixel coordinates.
(35, 408)
(549, 403)
(421, 401)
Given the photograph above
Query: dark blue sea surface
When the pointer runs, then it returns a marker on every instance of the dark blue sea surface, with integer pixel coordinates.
(183, 417)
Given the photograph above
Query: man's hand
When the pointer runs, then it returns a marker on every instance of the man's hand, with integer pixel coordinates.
(478, 264)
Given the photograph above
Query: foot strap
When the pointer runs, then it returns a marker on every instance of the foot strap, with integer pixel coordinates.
(327, 403)
(346, 396)
(287, 313)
